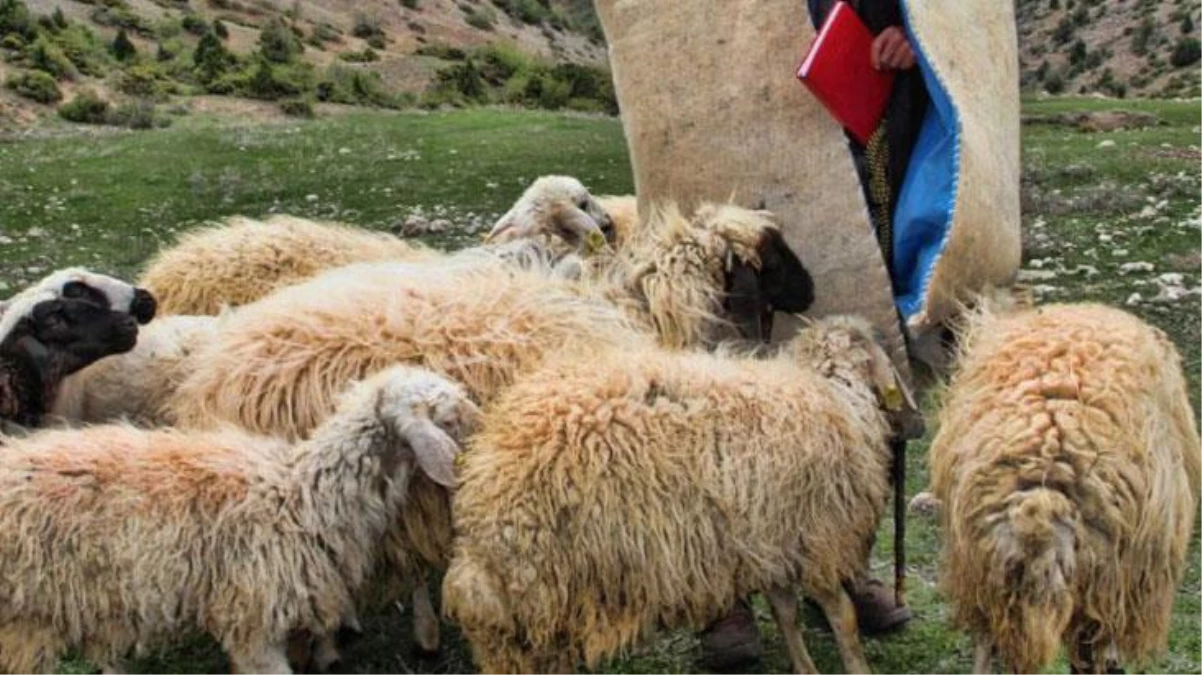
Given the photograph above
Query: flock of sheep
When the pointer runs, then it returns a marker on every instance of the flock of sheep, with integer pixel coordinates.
(578, 421)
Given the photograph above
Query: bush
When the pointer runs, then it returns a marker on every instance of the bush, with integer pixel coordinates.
(140, 81)
(84, 50)
(35, 85)
(137, 115)
(1143, 35)
(366, 56)
(529, 11)
(1054, 83)
(366, 27)
(47, 57)
(58, 18)
(278, 43)
(194, 24)
(1187, 25)
(481, 18)
(13, 42)
(270, 82)
(86, 108)
(1077, 53)
(297, 107)
(120, 16)
(1186, 52)
(122, 47)
(15, 18)
(220, 30)
(411, 4)
(377, 42)
(340, 84)
(441, 50)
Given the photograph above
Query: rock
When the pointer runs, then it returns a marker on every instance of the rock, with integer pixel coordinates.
(1088, 270)
(439, 225)
(1127, 268)
(1119, 253)
(310, 198)
(415, 224)
(1134, 299)
(1106, 144)
(35, 232)
(1036, 275)
(925, 503)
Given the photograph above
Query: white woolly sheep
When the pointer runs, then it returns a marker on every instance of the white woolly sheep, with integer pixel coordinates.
(54, 328)
(1068, 464)
(611, 492)
(242, 260)
(118, 537)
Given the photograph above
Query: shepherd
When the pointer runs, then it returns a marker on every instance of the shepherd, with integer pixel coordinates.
(710, 107)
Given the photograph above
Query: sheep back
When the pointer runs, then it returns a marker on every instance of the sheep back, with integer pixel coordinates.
(608, 493)
(1068, 462)
(242, 260)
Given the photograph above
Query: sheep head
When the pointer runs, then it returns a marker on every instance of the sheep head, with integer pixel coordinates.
(763, 275)
(73, 318)
(848, 347)
(430, 414)
(560, 206)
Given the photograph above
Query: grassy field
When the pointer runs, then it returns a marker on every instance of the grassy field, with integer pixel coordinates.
(1092, 204)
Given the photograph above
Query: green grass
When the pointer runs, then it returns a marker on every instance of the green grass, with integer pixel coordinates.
(109, 200)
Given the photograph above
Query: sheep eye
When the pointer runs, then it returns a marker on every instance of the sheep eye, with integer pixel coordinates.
(75, 289)
(583, 203)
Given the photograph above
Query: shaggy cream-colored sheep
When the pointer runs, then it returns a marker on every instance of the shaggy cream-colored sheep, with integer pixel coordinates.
(242, 260)
(1068, 465)
(691, 281)
(615, 491)
(118, 537)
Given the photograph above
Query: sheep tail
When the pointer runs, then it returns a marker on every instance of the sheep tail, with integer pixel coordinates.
(1030, 575)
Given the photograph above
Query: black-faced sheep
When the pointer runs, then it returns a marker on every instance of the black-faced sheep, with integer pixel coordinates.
(1068, 465)
(118, 537)
(58, 326)
(615, 491)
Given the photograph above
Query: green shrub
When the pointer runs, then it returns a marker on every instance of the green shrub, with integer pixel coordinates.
(269, 82)
(351, 86)
(86, 108)
(120, 16)
(278, 43)
(194, 24)
(1186, 52)
(15, 18)
(411, 4)
(481, 18)
(35, 85)
(1063, 31)
(220, 30)
(366, 26)
(168, 27)
(1143, 35)
(1077, 53)
(47, 57)
(136, 115)
(1054, 83)
(441, 50)
(84, 50)
(1187, 25)
(122, 47)
(377, 42)
(58, 18)
(141, 81)
(366, 56)
(297, 107)
(529, 11)
(13, 42)
(324, 32)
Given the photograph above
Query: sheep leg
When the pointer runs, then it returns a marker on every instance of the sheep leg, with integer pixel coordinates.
(841, 615)
(425, 619)
(262, 658)
(1114, 664)
(784, 610)
(982, 656)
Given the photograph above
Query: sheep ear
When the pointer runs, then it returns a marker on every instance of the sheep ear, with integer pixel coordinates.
(435, 450)
(577, 227)
(499, 230)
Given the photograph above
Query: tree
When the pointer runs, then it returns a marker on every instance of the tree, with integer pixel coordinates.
(211, 58)
(220, 30)
(59, 19)
(122, 47)
(1187, 25)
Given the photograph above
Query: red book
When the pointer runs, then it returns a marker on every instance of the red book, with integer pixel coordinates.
(838, 71)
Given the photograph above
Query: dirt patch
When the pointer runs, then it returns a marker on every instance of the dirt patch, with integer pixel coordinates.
(1093, 122)
(1185, 262)
(1194, 154)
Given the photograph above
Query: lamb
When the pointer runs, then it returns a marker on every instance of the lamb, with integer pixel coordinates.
(242, 260)
(1068, 464)
(611, 492)
(120, 537)
(58, 326)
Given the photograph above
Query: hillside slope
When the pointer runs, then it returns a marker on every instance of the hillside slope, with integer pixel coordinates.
(1135, 48)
